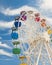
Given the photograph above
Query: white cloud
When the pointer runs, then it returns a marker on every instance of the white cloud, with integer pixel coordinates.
(45, 8)
(8, 33)
(49, 21)
(12, 12)
(6, 24)
(2, 52)
(4, 45)
(46, 4)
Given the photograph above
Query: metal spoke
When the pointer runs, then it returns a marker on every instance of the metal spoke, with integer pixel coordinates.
(48, 53)
(39, 54)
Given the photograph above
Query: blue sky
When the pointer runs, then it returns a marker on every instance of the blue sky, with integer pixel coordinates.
(12, 4)
(18, 3)
(5, 31)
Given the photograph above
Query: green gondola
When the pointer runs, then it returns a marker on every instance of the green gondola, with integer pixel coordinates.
(16, 51)
(16, 42)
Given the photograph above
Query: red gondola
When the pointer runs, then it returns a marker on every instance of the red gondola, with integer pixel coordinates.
(37, 17)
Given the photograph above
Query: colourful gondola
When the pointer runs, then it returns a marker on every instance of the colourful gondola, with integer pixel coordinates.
(16, 51)
(23, 18)
(14, 35)
(22, 57)
(30, 12)
(17, 18)
(14, 28)
(23, 64)
(16, 42)
(49, 31)
(37, 17)
(23, 13)
(17, 24)
(43, 24)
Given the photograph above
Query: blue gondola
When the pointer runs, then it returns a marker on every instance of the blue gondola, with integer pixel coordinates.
(14, 35)
(17, 24)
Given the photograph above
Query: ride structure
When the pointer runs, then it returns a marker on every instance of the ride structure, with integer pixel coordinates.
(32, 39)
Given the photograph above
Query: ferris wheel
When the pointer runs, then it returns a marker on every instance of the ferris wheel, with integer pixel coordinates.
(32, 39)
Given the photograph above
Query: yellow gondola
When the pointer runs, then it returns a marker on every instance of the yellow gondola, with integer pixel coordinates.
(23, 64)
(49, 31)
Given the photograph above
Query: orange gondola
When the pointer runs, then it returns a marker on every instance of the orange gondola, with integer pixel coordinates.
(22, 57)
(43, 24)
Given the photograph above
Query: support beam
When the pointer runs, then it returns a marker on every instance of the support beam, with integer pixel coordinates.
(48, 53)
(48, 46)
(39, 54)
